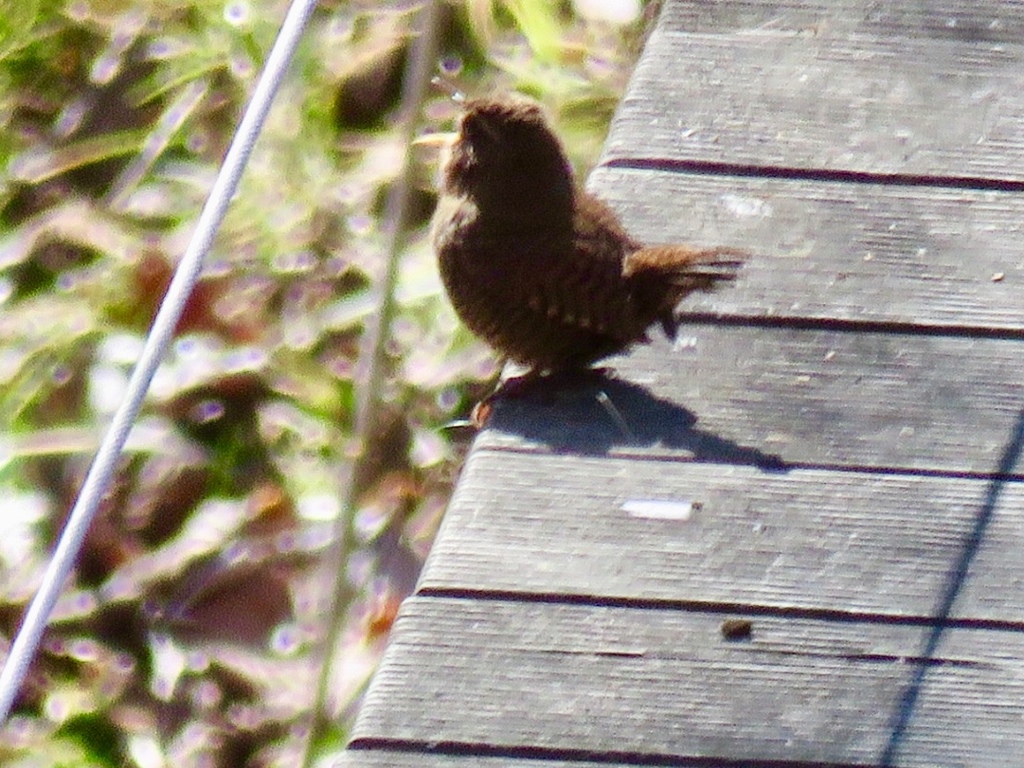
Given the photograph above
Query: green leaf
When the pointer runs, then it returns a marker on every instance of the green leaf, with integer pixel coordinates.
(538, 21)
(38, 165)
(16, 20)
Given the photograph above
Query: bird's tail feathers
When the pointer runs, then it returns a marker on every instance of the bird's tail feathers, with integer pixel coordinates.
(690, 268)
(671, 272)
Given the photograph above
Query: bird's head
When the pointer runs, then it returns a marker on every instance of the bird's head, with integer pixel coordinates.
(505, 146)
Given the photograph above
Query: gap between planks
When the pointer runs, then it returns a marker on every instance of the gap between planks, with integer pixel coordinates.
(370, 752)
(823, 175)
(742, 610)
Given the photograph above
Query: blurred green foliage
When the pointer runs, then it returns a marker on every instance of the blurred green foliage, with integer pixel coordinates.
(186, 634)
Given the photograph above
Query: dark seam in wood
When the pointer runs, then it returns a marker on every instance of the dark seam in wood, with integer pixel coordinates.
(852, 658)
(696, 606)
(710, 168)
(466, 749)
(780, 466)
(882, 658)
(846, 325)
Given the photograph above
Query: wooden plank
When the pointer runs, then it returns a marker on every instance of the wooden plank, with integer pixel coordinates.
(804, 86)
(969, 23)
(815, 398)
(857, 252)
(647, 685)
(843, 542)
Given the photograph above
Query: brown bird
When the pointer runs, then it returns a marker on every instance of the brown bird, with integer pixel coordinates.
(537, 267)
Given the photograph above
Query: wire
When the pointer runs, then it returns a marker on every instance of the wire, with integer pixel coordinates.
(370, 374)
(27, 640)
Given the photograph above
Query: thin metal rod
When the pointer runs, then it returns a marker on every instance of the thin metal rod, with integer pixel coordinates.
(27, 640)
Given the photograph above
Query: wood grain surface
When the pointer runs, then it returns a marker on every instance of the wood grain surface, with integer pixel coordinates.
(847, 543)
(838, 88)
(918, 256)
(642, 684)
(792, 537)
(813, 398)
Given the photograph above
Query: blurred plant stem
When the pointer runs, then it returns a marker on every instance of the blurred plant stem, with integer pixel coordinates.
(372, 364)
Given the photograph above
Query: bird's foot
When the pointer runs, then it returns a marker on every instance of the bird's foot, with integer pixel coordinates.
(515, 386)
(528, 384)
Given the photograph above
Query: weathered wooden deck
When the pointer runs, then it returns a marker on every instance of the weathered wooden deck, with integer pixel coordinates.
(839, 435)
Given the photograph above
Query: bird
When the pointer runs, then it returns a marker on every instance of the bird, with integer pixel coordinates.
(540, 269)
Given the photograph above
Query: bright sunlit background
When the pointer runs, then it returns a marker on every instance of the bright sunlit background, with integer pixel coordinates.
(185, 636)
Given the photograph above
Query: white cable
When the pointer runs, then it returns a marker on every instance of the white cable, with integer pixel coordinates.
(27, 639)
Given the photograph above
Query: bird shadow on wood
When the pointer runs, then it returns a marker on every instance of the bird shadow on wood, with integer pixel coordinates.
(906, 707)
(593, 413)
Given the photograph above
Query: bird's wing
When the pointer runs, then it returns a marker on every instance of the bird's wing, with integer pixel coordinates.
(577, 281)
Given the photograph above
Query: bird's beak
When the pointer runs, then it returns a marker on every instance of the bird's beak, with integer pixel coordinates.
(438, 140)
